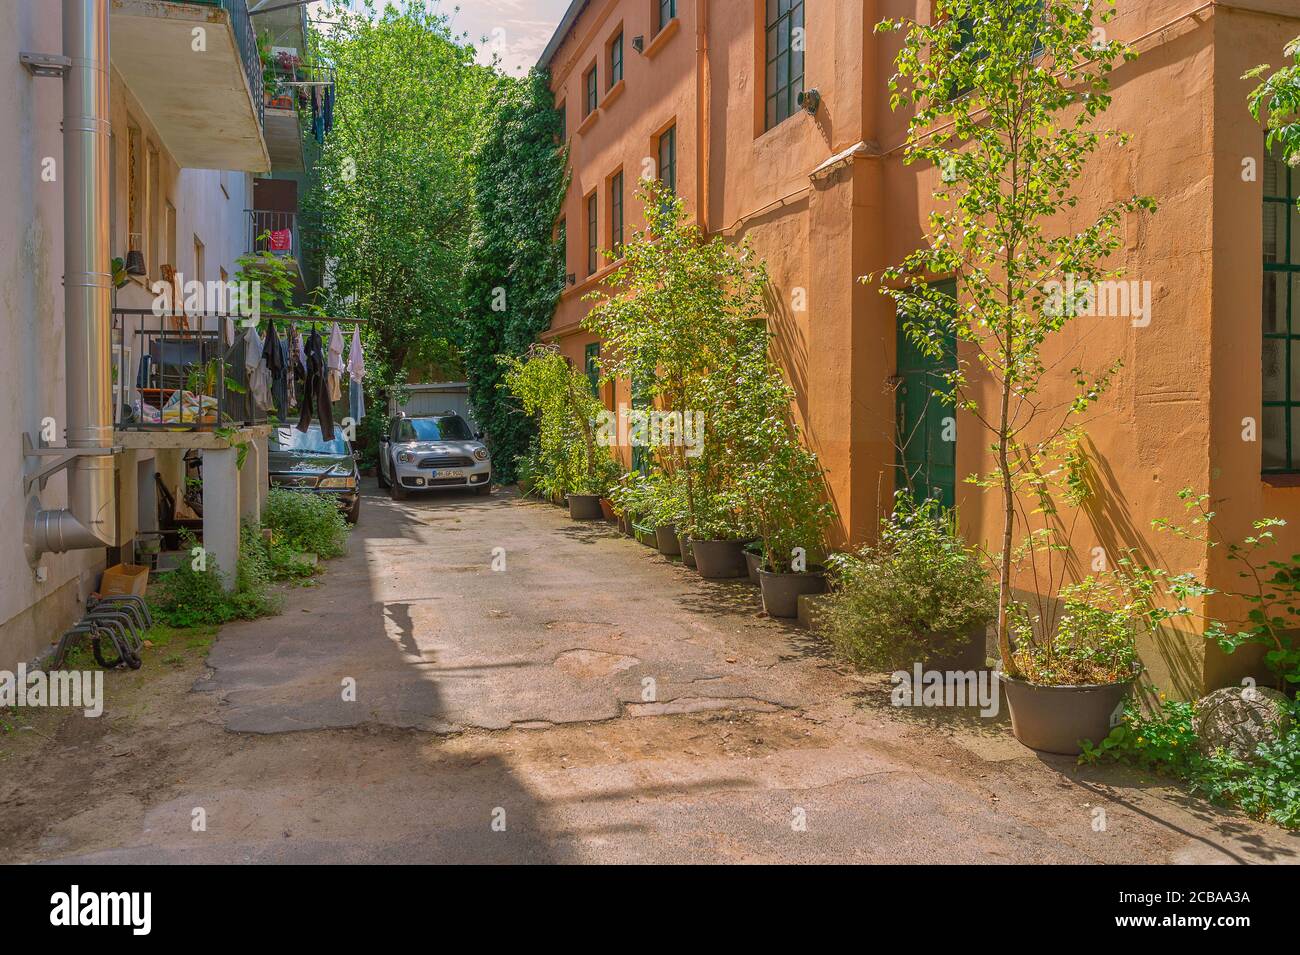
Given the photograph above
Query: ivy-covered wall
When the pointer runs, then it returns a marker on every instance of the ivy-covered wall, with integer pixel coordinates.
(514, 273)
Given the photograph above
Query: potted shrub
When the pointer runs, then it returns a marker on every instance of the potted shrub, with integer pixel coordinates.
(782, 491)
(754, 559)
(631, 495)
(717, 544)
(666, 514)
(919, 595)
(597, 473)
(1072, 687)
(571, 463)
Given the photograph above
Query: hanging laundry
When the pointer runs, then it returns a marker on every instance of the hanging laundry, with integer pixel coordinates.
(315, 390)
(327, 111)
(259, 378)
(356, 377)
(334, 363)
(274, 357)
(290, 365)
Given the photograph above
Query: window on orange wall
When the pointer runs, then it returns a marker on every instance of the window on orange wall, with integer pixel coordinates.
(589, 79)
(592, 363)
(668, 158)
(593, 254)
(616, 59)
(563, 110)
(562, 240)
(1280, 421)
(785, 47)
(616, 212)
(667, 13)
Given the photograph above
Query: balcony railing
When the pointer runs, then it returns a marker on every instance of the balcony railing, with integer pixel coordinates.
(176, 373)
(270, 230)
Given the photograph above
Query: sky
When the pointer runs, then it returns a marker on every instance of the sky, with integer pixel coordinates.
(516, 30)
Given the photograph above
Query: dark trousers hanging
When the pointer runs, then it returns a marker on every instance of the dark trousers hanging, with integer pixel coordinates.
(316, 390)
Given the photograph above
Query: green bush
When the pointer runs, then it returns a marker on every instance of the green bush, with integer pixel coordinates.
(186, 597)
(1266, 788)
(915, 594)
(570, 458)
(307, 523)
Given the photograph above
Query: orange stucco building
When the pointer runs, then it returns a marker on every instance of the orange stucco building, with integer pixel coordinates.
(705, 91)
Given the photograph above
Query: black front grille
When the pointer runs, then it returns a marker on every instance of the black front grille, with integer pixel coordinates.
(446, 461)
(434, 482)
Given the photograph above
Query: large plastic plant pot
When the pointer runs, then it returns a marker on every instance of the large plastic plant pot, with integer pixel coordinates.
(781, 591)
(719, 559)
(684, 545)
(666, 539)
(1053, 719)
(585, 507)
(753, 562)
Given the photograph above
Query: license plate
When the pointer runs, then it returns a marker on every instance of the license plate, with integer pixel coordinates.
(449, 473)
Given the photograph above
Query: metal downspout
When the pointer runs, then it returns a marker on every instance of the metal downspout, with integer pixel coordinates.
(90, 519)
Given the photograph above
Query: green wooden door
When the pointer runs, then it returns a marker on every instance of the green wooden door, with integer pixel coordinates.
(927, 425)
(641, 455)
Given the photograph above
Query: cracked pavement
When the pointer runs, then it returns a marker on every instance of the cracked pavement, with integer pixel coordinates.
(591, 702)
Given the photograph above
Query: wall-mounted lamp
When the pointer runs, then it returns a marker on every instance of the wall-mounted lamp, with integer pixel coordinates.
(809, 100)
(638, 44)
(573, 279)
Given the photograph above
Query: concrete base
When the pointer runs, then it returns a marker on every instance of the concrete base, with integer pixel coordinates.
(811, 609)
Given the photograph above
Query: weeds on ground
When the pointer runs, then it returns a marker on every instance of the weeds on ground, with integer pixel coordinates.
(189, 597)
(1266, 788)
(304, 523)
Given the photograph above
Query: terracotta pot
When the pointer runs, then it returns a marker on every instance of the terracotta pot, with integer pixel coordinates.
(684, 545)
(607, 509)
(666, 539)
(781, 591)
(719, 559)
(1053, 719)
(585, 507)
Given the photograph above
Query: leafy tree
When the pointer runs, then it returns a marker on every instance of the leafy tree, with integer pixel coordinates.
(515, 270)
(676, 314)
(391, 204)
(1005, 98)
(558, 396)
(1276, 102)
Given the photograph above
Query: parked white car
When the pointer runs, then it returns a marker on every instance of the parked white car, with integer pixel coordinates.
(433, 453)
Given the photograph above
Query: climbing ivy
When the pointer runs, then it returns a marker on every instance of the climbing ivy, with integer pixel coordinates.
(515, 268)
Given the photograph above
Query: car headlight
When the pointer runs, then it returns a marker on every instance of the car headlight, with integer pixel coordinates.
(406, 457)
(481, 454)
(342, 482)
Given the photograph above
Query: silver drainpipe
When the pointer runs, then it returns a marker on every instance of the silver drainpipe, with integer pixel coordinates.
(90, 519)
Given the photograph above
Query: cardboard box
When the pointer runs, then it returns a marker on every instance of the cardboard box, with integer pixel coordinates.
(124, 579)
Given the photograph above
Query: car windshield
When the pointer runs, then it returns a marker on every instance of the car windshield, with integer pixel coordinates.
(446, 428)
(310, 441)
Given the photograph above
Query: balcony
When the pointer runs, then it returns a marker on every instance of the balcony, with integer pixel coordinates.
(177, 374)
(275, 231)
(201, 90)
(295, 90)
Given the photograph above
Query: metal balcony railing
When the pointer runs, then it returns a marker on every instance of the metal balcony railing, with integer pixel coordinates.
(270, 230)
(176, 373)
